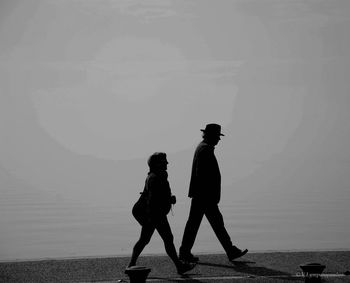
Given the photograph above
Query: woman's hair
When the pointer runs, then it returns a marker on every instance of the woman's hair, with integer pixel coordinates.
(156, 158)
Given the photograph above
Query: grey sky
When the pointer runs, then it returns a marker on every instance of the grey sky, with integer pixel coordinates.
(116, 80)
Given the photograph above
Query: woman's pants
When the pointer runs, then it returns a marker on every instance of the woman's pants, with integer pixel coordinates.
(161, 224)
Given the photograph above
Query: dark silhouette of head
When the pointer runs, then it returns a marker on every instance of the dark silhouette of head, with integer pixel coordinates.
(212, 133)
(157, 162)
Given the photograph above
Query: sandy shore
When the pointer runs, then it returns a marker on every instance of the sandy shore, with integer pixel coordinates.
(254, 267)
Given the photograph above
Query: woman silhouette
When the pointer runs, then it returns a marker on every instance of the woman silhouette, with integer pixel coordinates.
(158, 204)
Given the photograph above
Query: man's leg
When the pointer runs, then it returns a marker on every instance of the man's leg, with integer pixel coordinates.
(216, 221)
(191, 229)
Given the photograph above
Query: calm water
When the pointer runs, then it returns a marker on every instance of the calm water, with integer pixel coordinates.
(42, 225)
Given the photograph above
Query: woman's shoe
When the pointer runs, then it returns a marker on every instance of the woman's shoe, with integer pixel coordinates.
(184, 267)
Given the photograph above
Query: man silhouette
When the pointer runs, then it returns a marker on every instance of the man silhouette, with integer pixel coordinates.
(205, 190)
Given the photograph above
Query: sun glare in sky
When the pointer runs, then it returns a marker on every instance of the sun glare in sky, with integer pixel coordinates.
(137, 96)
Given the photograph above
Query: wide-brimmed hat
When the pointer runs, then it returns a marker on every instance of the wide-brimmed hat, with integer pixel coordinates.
(212, 129)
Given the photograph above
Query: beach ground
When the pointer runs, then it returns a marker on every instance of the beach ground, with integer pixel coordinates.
(253, 267)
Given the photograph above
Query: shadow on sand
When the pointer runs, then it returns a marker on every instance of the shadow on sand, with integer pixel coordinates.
(244, 269)
(181, 278)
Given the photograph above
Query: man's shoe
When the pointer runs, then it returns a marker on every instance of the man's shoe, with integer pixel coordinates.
(188, 257)
(184, 267)
(236, 253)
